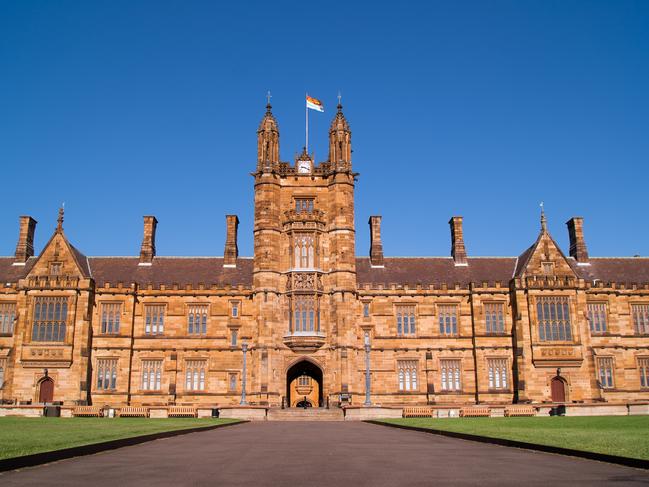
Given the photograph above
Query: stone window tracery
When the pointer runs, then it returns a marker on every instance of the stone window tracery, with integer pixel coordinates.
(643, 368)
(553, 315)
(405, 320)
(597, 317)
(197, 319)
(154, 319)
(447, 319)
(451, 375)
(605, 371)
(50, 318)
(7, 317)
(640, 318)
(407, 373)
(151, 375)
(195, 375)
(305, 316)
(497, 373)
(106, 374)
(494, 318)
(110, 317)
(304, 251)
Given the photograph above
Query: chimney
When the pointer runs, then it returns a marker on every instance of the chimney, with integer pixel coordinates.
(458, 251)
(25, 246)
(376, 247)
(147, 251)
(578, 248)
(231, 251)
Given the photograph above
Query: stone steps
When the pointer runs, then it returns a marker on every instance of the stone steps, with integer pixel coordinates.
(310, 414)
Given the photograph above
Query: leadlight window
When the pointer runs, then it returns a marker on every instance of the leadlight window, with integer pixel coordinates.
(304, 380)
(154, 319)
(234, 308)
(553, 316)
(366, 310)
(3, 365)
(305, 314)
(304, 205)
(304, 251)
(643, 368)
(151, 375)
(405, 320)
(50, 317)
(451, 375)
(407, 370)
(110, 317)
(234, 335)
(7, 317)
(597, 317)
(494, 318)
(197, 319)
(605, 369)
(232, 382)
(497, 373)
(447, 319)
(106, 374)
(195, 375)
(640, 314)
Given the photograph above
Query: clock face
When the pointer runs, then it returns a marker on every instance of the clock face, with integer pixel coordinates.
(304, 167)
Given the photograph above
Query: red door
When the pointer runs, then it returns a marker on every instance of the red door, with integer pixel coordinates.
(46, 392)
(558, 390)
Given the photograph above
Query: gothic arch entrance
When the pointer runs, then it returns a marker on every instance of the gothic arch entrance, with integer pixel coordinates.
(558, 389)
(304, 385)
(46, 390)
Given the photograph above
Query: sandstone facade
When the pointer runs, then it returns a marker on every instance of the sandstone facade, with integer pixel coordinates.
(541, 327)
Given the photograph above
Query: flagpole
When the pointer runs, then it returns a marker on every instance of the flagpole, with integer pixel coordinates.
(306, 109)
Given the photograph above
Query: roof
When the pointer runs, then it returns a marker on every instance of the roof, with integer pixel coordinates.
(209, 271)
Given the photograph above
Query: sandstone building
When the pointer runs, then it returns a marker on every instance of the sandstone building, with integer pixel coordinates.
(154, 330)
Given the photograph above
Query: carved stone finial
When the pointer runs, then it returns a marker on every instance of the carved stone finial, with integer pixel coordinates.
(544, 223)
(59, 220)
(268, 105)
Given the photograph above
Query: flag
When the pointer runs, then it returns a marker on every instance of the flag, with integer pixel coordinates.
(314, 104)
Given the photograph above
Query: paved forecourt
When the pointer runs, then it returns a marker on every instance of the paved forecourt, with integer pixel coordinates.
(321, 453)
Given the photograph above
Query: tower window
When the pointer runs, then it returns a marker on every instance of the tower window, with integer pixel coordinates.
(304, 205)
(305, 314)
(304, 251)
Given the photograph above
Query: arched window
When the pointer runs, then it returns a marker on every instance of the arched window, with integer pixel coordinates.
(305, 314)
(304, 251)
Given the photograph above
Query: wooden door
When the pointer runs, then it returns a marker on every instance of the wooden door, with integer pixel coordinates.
(46, 392)
(558, 390)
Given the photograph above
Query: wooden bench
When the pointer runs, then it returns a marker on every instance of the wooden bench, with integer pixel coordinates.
(417, 412)
(181, 412)
(134, 412)
(480, 412)
(513, 411)
(92, 411)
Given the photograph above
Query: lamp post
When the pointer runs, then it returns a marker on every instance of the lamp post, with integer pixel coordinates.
(368, 402)
(244, 347)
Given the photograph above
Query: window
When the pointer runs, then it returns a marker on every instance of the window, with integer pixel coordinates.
(304, 252)
(106, 373)
(3, 364)
(195, 375)
(366, 310)
(407, 370)
(547, 268)
(50, 316)
(151, 375)
(197, 319)
(643, 367)
(447, 319)
(405, 320)
(234, 308)
(605, 368)
(233, 337)
(450, 375)
(497, 373)
(7, 317)
(232, 382)
(305, 314)
(110, 317)
(554, 318)
(494, 318)
(55, 268)
(304, 205)
(304, 380)
(597, 317)
(640, 318)
(154, 320)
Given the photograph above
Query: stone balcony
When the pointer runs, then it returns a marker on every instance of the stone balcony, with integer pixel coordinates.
(304, 341)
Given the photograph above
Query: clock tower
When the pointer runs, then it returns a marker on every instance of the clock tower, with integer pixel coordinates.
(304, 272)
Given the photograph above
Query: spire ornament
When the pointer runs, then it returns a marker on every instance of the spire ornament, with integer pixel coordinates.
(268, 105)
(544, 223)
(59, 220)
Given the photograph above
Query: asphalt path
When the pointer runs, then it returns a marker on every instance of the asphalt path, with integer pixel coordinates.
(321, 453)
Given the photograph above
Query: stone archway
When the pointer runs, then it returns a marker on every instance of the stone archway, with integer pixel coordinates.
(304, 384)
(46, 390)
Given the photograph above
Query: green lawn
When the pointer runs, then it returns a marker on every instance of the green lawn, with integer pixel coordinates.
(626, 436)
(24, 436)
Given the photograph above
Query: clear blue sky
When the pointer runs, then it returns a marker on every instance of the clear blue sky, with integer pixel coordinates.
(480, 109)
